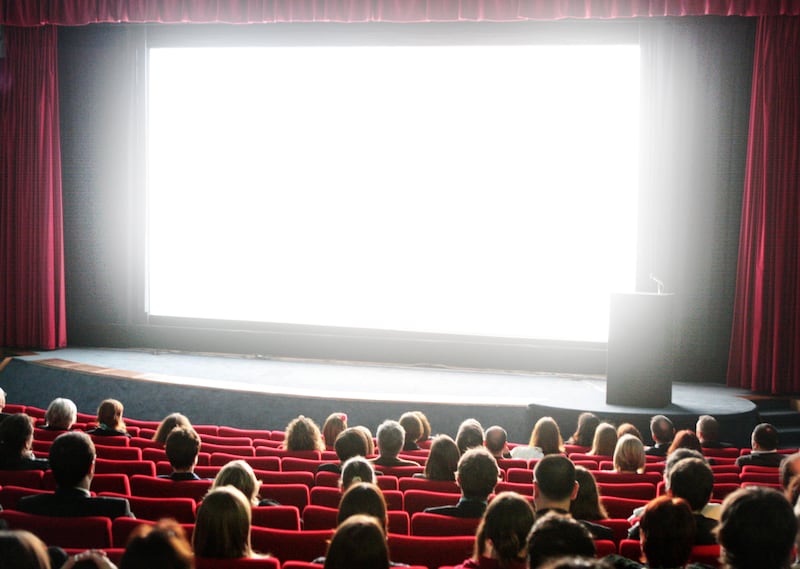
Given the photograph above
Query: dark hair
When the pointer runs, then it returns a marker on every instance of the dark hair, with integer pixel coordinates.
(787, 468)
(661, 429)
(685, 439)
(547, 436)
(629, 429)
(349, 443)
(555, 476)
(333, 426)
(766, 436)
(605, 440)
(15, 431)
(587, 504)
(303, 433)
(109, 413)
(478, 473)
(556, 535)
(442, 459)
(222, 528)
(163, 546)
(426, 425)
(668, 529)
(584, 431)
(167, 424)
(507, 521)
(469, 435)
(570, 562)
(358, 543)
(757, 529)
(363, 498)
(183, 445)
(21, 549)
(693, 480)
(71, 457)
(412, 425)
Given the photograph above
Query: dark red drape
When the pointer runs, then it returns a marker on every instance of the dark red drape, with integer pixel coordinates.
(765, 342)
(80, 12)
(32, 311)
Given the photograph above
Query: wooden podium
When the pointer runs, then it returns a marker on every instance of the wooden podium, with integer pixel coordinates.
(640, 366)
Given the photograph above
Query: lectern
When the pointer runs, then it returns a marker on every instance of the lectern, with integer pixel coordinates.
(641, 347)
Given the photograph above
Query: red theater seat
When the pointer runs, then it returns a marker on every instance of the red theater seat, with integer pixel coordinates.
(149, 486)
(432, 552)
(418, 500)
(85, 532)
(451, 487)
(279, 517)
(183, 510)
(436, 525)
(243, 563)
(287, 544)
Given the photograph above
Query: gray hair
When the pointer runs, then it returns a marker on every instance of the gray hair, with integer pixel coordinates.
(391, 435)
(61, 413)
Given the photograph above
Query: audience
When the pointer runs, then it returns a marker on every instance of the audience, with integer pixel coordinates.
(16, 442)
(333, 425)
(72, 457)
(162, 546)
(497, 442)
(764, 442)
(629, 455)
(662, 431)
(222, 528)
(358, 543)
(349, 443)
(442, 460)
(501, 538)
(707, 430)
(545, 439)
(61, 414)
(413, 427)
(469, 435)
(168, 423)
(477, 475)
(556, 535)
(757, 529)
(587, 504)
(584, 431)
(109, 420)
(391, 436)
(605, 440)
(302, 434)
(183, 447)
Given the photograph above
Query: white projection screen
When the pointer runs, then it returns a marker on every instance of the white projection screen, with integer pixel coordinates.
(484, 190)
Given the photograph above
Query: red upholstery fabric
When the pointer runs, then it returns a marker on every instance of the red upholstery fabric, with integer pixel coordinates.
(149, 486)
(86, 532)
(432, 552)
(417, 500)
(436, 525)
(279, 517)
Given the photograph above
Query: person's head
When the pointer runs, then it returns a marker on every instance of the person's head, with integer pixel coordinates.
(505, 526)
(554, 480)
(442, 459)
(605, 440)
(572, 562)
(667, 532)
(21, 549)
(390, 435)
(757, 529)
(426, 426)
(629, 455)
(363, 498)
(707, 428)
(555, 535)
(677, 456)
(333, 425)
(183, 446)
(584, 431)
(2, 398)
(303, 433)
(358, 543)
(16, 436)
(109, 414)
(789, 468)
(71, 458)
(162, 546)
(222, 528)
(547, 436)
(685, 439)
(661, 429)
(693, 480)
(496, 441)
(765, 437)
(355, 470)
(367, 439)
(61, 414)
(167, 424)
(413, 427)
(477, 473)
(240, 475)
(587, 504)
(349, 443)
(629, 429)
(469, 435)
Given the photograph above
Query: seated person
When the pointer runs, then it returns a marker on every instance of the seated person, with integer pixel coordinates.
(707, 429)
(629, 455)
(162, 546)
(545, 440)
(359, 541)
(61, 414)
(72, 457)
(333, 425)
(109, 420)
(469, 435)
(661, 431)
(167, 424)
(349, 443)
(391, 436)
(442, 460)
(604, 441)
(584, 431)
(222, 529)
(21, 548)
(183, 446)
(355, 470)
(303, 434)
(764, 442)
(557, 535)
(497, 442)
(477, 475)
(16, 442)
(240, 475)
(412, 425)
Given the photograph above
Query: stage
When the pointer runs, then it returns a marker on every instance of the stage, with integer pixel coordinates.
(254, 392)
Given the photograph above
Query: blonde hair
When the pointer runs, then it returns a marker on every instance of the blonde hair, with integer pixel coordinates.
(629, 454)
(109, 413)
(222, 528)
(303, 433)
(240, 475)
(605, 440)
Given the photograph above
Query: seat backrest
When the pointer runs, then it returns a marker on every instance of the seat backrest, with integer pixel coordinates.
(280, 517)
(727, 477)
(449, 486)
(617, 507)
(604, 547)
(272, 463)
(611, 477)
(418, 500)
(433, 524)
(760, 477)
(149, 486)
(183, 510)
(301, 565)
(630, 548)
(319, 517)
(287, 544)
(100, 483)
(639, 491)
(296, 477)
(111, 441)
(619, 527)
(24, 478)
(236, 432)
(129, 467)
(243, 563)
(86, 532)
(706, 554)
(240, 451)
(230, 441)
(144, 442)
(386, 482)
(325, 478)
(118, 452)
(730, 452)
(121, 529)
(432, 552)
(273, 451)
(519, 475)
(400, 471)
(325, 496)
(9, 495)
(287, 494)
(721, 490)
(292, 464)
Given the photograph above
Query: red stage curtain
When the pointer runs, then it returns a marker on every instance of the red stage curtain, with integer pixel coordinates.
(765, 342)
(80, 12)
(32, 311)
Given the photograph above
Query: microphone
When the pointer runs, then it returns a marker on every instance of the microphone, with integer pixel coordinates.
(658, 282)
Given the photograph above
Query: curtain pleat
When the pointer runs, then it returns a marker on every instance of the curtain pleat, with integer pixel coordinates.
(765, 343)
(32, 311)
